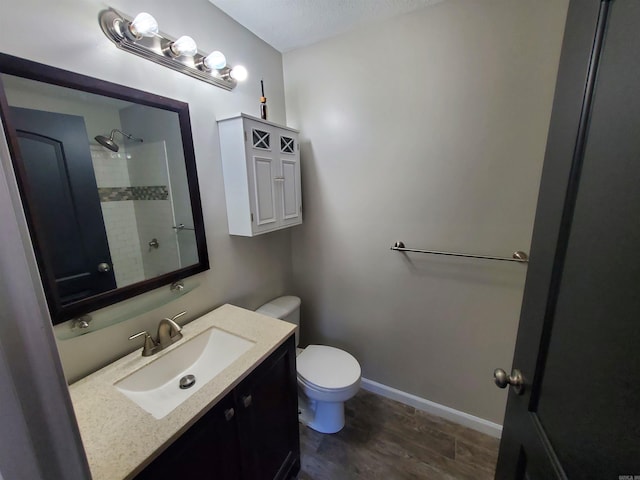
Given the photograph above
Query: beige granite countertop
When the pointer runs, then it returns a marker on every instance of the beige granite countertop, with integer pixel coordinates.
(120, 438)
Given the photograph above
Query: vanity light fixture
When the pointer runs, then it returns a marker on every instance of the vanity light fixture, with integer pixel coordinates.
(239, 73)
(184, 46)
(214, 61)
(143, 25)
(141, 37)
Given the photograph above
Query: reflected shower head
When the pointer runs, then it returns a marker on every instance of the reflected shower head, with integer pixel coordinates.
(108, 142)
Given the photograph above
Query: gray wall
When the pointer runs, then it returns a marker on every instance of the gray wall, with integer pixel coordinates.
(430, 129)
(246, 272)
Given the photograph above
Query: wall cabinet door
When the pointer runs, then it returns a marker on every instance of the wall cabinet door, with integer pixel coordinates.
(289, 181)
(261, 167)
(262, 172)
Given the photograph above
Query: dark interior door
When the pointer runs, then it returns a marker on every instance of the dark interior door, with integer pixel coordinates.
(578, 344)
(63, 198)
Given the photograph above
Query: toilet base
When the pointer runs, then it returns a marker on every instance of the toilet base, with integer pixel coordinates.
(323, 417)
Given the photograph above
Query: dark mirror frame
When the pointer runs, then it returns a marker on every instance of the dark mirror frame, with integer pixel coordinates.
(43, 73)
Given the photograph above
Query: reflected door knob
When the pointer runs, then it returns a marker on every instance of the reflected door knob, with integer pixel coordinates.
(516, 380)
(104, 267)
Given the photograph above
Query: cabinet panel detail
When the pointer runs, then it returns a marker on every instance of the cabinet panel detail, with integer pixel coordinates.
(286, 144)
(289, 190)
(261, 139)
(264, 191)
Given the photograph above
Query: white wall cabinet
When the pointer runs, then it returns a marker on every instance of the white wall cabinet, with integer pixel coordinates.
(261, 168)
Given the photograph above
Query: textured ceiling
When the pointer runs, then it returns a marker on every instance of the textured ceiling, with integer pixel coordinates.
(290, 24)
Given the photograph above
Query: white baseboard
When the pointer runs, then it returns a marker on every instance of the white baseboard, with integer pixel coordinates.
(470, 421)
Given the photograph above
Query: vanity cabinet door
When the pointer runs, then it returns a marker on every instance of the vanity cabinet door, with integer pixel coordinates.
(267, 405)
(210, 449)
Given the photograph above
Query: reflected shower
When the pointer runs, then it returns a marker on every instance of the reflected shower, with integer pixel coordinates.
(110, 144)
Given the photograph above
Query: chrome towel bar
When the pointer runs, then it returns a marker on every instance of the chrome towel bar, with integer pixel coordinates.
(518, 256)
(182, 227)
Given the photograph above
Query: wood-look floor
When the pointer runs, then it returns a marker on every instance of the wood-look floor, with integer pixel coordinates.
(386, 440)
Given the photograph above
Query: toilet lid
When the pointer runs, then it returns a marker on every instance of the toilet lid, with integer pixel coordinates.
(328, 367)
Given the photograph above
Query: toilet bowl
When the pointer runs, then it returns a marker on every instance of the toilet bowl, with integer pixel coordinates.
(327, 376)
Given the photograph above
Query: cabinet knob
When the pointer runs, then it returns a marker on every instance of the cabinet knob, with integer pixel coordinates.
(229, 414)
(246, 401)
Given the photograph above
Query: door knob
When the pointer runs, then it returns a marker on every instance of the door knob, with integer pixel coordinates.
(516, 380)
(104, 267)
(246, 401)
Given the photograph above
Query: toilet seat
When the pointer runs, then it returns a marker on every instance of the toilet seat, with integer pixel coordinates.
(312, 386)
(327, 369)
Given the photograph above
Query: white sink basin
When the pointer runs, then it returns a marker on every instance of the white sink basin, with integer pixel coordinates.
(156, 386)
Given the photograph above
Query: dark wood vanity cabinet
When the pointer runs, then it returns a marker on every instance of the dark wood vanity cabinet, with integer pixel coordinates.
(251, 434)
(209, 449)
(267, 405)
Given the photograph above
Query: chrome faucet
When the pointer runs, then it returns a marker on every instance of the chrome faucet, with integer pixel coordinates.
(169, 332)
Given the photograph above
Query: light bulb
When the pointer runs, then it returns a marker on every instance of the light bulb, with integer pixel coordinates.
(239, 73)
(215, 61)
(184, 46)
(144, 25)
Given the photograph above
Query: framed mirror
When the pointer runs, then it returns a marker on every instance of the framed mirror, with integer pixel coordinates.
(108, 182)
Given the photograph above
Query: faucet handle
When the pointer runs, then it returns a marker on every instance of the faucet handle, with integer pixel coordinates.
(149, 343)
(136, 335)
(174, 328)
(177, 315)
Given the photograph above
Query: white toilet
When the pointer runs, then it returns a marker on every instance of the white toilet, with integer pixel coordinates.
(327, 376)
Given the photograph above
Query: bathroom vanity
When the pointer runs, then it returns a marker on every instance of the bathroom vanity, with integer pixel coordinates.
(241, 424)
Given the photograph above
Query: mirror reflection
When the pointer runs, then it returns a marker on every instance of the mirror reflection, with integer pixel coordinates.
(107, 187)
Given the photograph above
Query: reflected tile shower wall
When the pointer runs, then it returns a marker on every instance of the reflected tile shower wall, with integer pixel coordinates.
(119, 215)
(149, 176)
(163, 127)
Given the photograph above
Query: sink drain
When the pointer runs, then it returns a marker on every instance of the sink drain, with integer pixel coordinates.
(187, 381)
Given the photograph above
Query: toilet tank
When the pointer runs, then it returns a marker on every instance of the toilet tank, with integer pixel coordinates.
(285, 308)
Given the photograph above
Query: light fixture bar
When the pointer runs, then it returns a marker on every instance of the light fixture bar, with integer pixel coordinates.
(115, 24)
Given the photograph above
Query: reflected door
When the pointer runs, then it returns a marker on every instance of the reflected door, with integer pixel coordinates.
(57, 162)
(578, 342)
